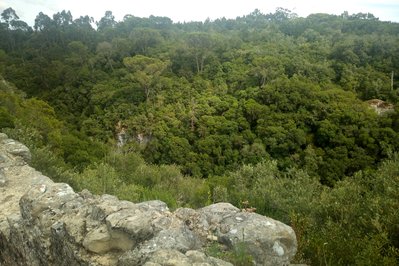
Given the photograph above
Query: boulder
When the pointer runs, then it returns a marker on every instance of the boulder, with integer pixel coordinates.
(172, 257)
(17, 149)
(168, 257)
(47, 223)
(268, 241)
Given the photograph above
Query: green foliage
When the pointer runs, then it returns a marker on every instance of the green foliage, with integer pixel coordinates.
(6, 119)
(258, 86)
(99, 178)
(238, 255)
(79, 151)
(146, 71)
(356, 233)
(354, 223)
(263, 111)
(44, 160)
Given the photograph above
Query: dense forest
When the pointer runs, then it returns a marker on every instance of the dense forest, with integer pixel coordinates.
(268, 111)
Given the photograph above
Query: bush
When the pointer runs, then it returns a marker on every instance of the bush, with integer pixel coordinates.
(354, 223)
(6, 120)
(99, 178)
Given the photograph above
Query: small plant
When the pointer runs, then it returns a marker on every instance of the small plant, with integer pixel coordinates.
(238, 255)
(215, 250)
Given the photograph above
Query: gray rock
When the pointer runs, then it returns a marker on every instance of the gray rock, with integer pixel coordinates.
(152, 264)
(153, 205)
(3, 178)
(196, 221)
(3, 158)
(41, 199)
(17, 149)
(106, 205)
(270, 242)
(181, 239)
(168, 257)
(98, 240)
(192, 258)
(217, 211)
(198, 258)
(132, 257)
(3, 136)
(47, 223)
(130, 227)
(219, 262)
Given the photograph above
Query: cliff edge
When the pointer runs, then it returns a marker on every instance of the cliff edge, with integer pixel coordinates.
(47, 223)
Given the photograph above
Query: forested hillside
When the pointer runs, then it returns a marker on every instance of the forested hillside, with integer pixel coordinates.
(266, 110)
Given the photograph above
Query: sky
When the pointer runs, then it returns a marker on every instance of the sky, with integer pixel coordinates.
(198, 10)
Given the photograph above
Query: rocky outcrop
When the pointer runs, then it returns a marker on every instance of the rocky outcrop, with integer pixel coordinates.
(380, 107)
(47, 223)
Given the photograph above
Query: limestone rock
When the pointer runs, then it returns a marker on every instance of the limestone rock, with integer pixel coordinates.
(18, 149)
(3, 178)
(216, 212)
(98, 240)
(198, 258)
(181, 239)
(270, 242)
(170, 257)
(380, 107)
(196, 221)
(156, 205)
(175, 258)
(47, 223)
(129, 228)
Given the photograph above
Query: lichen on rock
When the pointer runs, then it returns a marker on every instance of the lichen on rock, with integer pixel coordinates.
(47, 223)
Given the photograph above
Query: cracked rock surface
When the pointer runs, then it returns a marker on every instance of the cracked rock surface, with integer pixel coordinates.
(47, 223)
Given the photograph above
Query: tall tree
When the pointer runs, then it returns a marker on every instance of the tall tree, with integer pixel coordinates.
(200, 44)
(63, 18)
(106, 22)
(146, 71)
(43, 22)
(9, 15)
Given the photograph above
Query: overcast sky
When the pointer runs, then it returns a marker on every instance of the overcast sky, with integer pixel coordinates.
(198, 10)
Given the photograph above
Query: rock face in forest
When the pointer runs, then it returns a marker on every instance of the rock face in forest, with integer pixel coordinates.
(380, 107)
(47, 223)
